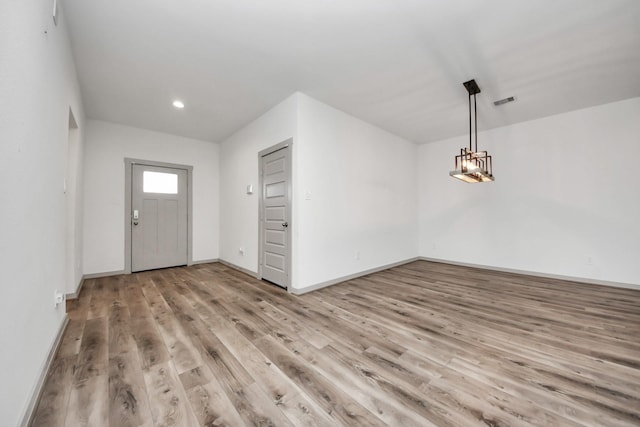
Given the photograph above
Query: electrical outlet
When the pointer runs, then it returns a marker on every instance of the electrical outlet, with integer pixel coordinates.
(241, 250)
(357, 255)
(58, 298)
(589, 260)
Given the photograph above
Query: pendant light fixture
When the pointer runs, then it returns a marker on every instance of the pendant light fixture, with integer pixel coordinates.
(473, 165)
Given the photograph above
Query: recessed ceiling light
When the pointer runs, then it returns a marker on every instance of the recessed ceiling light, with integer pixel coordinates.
(178, 104)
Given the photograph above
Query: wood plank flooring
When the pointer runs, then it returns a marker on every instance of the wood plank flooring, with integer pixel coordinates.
(422, 344)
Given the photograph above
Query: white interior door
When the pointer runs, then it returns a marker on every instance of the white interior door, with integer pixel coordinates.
(158, 217)
(275, 230)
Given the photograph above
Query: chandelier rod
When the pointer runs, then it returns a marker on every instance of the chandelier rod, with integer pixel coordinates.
(470, 148)
(475, 111)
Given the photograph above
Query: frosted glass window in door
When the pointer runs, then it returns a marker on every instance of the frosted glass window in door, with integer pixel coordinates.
(159, 182)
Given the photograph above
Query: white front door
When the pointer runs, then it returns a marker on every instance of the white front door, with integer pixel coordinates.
(275, 214)
(158, 217)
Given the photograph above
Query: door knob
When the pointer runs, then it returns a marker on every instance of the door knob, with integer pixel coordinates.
(285, 224)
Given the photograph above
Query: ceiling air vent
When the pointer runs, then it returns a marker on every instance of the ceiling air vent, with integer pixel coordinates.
(504, 101)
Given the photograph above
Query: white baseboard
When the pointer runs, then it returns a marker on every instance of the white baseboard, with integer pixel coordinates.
(76, 294)
(237, 267)
(205, 261)
(117, 273)
(29, 413)
(536, 274)
(104, 274)
(349, 277)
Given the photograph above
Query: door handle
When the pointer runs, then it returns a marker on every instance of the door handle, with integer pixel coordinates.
(135, 222)
(285, 224)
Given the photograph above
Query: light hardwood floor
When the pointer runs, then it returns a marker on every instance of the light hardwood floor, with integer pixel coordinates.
(421, 344)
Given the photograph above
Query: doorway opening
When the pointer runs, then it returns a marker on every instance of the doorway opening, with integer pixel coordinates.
(73, 206)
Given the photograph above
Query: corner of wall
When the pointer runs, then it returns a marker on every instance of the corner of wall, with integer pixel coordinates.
(239, 167)
(552, 221)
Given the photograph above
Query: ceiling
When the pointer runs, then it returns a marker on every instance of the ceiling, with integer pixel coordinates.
(398, 64)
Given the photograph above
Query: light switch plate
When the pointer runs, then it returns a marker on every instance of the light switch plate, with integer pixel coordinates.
(249, 189)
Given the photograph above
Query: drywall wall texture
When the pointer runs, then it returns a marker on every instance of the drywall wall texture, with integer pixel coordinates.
(565, 200)
(106, 147)
(354, 192)
(356, 195)
(239, 214)
(38, 85)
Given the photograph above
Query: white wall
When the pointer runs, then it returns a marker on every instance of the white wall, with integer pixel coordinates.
(106, 147)
(362, 183)
(238, 168)
(38, 85)
(363, 187)
(566, 191)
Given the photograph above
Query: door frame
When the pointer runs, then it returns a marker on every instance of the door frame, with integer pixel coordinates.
(128, 170)
(284, 144)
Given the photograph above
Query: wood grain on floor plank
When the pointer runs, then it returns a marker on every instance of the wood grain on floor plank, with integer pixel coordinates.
(416, 345)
